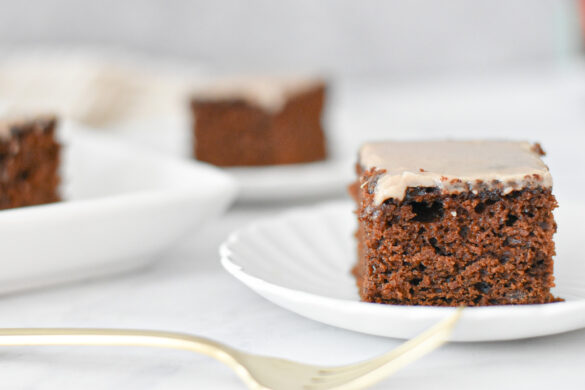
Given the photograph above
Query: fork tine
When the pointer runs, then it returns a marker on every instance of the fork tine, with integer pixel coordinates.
(370, 372)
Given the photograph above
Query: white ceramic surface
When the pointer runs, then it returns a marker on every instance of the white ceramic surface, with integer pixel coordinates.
(301, 261)
(297, 181)
(123, 206)
(172, 135)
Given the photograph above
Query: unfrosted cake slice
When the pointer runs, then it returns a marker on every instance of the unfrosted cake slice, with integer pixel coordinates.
(29, 162)
(451, 223)
(259, 121)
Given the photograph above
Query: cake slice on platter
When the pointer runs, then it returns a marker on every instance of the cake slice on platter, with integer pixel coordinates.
(450, 223)
(259, 121)
(29, 162)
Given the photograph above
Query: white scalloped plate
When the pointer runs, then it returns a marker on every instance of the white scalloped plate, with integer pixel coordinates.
(301, 261)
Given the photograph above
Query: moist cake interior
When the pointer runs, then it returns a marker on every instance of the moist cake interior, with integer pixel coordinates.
(473, 239)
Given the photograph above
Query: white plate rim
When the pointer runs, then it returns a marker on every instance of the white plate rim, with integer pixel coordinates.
(436, 313)
(255, 184)
(166, 197)
(228, 183)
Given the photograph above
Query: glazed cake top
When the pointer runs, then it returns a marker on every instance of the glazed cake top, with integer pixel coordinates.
(269, 93)
(454, 166)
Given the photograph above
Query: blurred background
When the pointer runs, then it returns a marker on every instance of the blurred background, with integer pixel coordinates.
(398, 69)
(396, 39)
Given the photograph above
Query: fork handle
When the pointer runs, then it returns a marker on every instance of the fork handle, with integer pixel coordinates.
(118, 337)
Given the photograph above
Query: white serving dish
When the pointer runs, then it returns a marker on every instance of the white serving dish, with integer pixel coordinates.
(257, 184)
(123, 206)
(294, 181)
(302, 259)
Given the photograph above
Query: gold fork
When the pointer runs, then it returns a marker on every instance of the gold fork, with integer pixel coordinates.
(257, 372)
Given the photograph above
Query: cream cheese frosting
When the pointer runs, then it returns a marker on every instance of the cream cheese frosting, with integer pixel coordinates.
(5, 129)
(453, 166)
(270, 93)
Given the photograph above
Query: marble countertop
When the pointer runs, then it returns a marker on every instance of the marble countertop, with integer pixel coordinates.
(187, 290)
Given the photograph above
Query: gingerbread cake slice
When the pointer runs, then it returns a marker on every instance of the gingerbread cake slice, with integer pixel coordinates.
(259, 121)
(29, 162)
(450, 223)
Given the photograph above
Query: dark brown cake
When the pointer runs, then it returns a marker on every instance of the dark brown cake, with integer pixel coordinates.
(259, 122)
(29, 161)
(461, 231)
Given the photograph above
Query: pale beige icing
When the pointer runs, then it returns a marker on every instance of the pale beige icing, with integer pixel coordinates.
(4, 129)
(270, 93)
(453, 166)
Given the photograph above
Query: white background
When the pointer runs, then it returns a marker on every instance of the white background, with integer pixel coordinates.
(392, 38)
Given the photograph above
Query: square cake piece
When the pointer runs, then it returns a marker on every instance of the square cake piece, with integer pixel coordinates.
(29, 162)
(450, 223)
(259, 121)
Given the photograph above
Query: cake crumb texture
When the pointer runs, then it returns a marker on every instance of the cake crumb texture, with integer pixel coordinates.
(471, 248)
(237, 132)
(29, 162)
